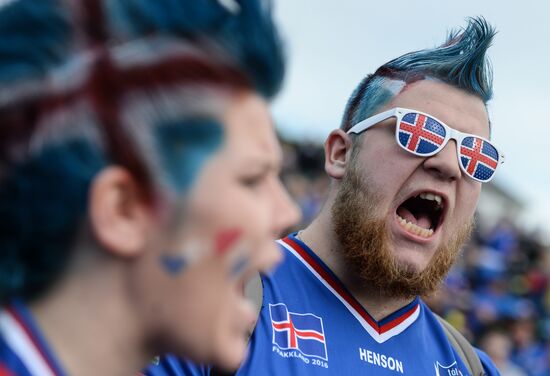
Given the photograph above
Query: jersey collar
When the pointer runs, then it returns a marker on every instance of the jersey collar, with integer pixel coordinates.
(23, 336)
(380, 331)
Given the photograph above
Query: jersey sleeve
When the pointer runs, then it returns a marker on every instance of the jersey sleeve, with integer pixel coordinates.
(170, 365)
(487, 363)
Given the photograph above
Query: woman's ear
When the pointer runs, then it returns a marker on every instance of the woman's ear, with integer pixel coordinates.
(337, 153)
(119, 216)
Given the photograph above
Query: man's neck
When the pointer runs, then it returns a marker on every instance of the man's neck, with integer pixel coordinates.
(319, 237)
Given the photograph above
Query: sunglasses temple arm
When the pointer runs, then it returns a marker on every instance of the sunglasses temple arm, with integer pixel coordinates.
(369, 122)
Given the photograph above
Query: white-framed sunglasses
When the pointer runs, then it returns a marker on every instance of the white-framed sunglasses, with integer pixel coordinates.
(424, 135)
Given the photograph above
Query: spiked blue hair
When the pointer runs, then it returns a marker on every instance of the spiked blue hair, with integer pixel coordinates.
(461, 62)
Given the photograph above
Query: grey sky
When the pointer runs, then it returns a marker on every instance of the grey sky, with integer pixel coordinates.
(332, 45)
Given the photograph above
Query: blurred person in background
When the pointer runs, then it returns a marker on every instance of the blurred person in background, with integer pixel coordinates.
(139, 183)
(406, 170)
(498, 346)
(529, 352)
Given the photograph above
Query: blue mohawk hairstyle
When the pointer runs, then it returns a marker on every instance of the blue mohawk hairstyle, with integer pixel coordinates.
(460, 62)
(245, 30)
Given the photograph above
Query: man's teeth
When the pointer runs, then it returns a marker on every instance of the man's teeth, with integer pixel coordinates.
(432, 197)
(412, 228)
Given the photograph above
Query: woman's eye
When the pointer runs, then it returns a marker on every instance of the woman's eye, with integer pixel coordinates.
(252, 181)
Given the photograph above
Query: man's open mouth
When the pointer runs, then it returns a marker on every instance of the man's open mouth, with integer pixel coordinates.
(421, 214)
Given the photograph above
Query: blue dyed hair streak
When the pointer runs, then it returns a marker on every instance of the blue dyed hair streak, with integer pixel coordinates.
(35, 38)
(460, 62)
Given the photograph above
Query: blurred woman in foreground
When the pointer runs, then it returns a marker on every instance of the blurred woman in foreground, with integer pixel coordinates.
(139, 181)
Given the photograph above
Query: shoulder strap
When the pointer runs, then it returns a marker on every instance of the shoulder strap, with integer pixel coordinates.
(463, 347)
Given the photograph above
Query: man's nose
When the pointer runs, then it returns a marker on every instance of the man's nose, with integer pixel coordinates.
(445, 164)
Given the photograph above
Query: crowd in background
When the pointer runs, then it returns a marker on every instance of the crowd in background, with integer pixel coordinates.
(497, 294)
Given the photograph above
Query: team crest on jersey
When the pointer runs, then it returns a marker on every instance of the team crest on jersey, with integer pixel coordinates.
(298, 335)
(450, 370)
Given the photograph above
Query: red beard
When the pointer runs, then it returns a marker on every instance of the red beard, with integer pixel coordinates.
(366, 246)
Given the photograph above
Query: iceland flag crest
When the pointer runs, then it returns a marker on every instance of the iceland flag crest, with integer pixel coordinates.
(298, 331)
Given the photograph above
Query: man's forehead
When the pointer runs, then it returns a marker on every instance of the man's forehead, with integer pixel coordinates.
(455, 107)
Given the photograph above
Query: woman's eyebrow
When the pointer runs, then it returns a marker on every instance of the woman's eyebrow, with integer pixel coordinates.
(263, 163)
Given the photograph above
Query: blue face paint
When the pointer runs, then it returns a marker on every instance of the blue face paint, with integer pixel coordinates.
(185, 146)
(238, 266)
(173, 264)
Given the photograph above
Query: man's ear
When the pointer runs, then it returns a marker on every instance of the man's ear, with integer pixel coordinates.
(119, 217)
(337, 153)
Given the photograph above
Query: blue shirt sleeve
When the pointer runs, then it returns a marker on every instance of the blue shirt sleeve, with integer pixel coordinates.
(170, 365)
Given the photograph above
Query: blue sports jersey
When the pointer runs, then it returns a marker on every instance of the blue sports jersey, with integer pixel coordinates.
(23, 350)
(310, 324)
